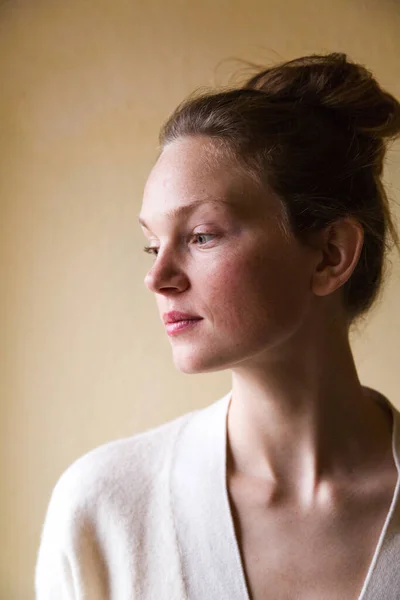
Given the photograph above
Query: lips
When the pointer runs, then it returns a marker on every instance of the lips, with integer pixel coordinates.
(174, 316)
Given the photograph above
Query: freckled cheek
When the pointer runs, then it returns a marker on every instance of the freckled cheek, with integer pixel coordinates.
(240, 291)
(230, 289)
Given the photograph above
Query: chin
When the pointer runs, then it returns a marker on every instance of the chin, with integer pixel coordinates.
(197, 362)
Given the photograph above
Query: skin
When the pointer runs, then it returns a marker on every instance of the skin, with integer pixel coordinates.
(273, 314)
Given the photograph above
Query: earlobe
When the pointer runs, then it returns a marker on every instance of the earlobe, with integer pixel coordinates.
(340, 248)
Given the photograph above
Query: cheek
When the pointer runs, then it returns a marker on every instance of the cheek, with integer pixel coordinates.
(257, 291)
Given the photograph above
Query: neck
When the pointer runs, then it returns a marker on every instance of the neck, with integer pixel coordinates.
(302, 419)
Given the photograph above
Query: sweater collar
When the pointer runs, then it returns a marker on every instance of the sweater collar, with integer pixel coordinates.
(210, 556)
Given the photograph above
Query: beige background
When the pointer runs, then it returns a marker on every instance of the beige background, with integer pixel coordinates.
(85, 86)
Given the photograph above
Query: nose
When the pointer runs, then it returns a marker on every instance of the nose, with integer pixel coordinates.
(166, 275)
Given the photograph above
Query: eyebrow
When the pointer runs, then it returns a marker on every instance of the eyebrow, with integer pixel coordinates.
(189, 208)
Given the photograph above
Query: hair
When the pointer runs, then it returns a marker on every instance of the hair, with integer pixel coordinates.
(315, 129)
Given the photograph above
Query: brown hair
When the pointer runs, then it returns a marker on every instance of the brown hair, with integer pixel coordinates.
(315, 130)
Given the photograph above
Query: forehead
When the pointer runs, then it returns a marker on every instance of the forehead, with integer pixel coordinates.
(193, 170)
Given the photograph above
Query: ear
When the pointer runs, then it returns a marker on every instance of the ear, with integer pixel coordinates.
(339, 249)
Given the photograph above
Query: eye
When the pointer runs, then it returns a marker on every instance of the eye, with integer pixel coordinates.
(151, 250)
(203, 235)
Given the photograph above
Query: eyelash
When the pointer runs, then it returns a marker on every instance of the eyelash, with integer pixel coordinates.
(153, 250)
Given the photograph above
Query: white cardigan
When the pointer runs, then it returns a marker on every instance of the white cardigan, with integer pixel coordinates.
(148, 518)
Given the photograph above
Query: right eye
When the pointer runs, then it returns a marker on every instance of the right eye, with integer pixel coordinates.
(151, 250)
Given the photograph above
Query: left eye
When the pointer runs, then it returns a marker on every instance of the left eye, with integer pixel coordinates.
(201, 236)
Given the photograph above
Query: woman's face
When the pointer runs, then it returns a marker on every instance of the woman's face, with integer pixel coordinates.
(221, 256)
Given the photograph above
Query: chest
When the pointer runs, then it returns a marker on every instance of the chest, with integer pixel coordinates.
(287, 554)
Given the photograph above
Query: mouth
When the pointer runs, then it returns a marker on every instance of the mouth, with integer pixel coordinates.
(178, 327)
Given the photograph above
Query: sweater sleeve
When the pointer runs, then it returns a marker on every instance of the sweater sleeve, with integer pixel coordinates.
(70, 565)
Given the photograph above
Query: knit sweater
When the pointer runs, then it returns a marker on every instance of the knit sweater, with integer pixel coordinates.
(148, 518)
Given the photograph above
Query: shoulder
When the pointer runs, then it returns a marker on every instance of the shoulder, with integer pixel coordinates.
(98, 505)
(116, 470)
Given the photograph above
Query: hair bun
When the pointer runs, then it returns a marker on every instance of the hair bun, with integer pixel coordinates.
(333, 82)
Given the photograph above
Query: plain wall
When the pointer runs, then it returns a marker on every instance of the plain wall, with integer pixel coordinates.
(85, 86)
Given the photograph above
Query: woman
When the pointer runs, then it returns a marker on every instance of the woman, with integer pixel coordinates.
(268, 223)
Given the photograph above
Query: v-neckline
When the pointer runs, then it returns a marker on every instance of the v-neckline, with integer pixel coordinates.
(211, 562)
(395, 445)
